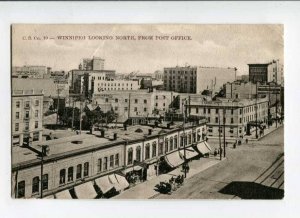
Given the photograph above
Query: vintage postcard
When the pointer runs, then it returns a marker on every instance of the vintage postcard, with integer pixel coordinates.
(148, 111)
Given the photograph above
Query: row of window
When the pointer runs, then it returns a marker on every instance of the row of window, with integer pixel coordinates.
(113, 84)
(36, 114)
(101, 89)
(102, 163)
(180, 72)
(27, 103)
(62, 173)
(26, 128)
(35, 186)
(224, 120)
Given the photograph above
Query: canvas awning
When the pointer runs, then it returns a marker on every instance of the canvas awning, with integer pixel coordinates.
(114, 181)
(189, 153)
(104, 184)
(203, 148)
(174, 159)
(85, 191)
(49, 197)
(134, 168)
(63, 195)
(122, 181)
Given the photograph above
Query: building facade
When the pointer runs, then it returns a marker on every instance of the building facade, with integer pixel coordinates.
(30, 71)
(235, 115)
(27, 116)
(197, 79)
(95, 63)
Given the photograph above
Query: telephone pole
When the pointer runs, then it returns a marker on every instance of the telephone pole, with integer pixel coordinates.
(219, 131)
(224, 120)
(184, 152)
(256, 135)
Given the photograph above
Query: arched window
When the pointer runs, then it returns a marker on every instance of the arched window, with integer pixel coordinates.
(189, 139)
(62, 176)
(175, 142)
(138, 153)
(86, 169)
(21, 189)
(130, 156)
(171, 143)
(147, 152)
(70, 174)
(160, 148)
(154, 149)
(181, 140)
(194, 137)
(166, 145)
(78, 171)
(198, 135)
(45, 182)
(35, 184)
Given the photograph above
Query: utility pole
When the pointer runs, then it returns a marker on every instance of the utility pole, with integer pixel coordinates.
(276, 108)
(256, 135)
(184, 152)
(224, 120)
(219, 131)
(57, 104)
(73, 114)
(80, 121)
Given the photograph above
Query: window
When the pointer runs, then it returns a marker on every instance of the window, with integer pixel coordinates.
(27, 104)
(117, 160)
(125, 108)
(70, 174)
(166, 145)
(217, 110)
(231, 120)
(45, 182)
(36, 136)
(145, 101)
(26, 114)
(156, 97)
(197, 110)
(35, 184)
(208, 119)
(126, 100)
(16, 127)
(62, 176)
(111, 161)
(106, 100)
(241, 111)
(154, 149)
(21, 189)
(105, 163)
(171, 143)
(204, 110)
(78, 171)
(37, 102)
(136, 101)
(116, 100)
(135, 109)
(17, 115)
(231, 111)
(86, 169)
(189, 139)
(217, 120)
(138, 153)
(130, 156)
(160, 148)
(224, 120)
(36, 113)
(17, 104)
(36, 124)
(116, 108)
(145, 109)
(208, 110)
(198, 135)
(99, 165)
(175, 142)
(181, 140)
(240, 120)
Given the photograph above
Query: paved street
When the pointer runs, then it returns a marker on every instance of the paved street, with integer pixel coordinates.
(252, 171)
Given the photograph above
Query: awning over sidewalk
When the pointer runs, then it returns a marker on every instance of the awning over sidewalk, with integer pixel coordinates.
(63, 195)
(122, 181)
(113, 180)
(203, 148)
(104, 184)
(133, 168)
(85, 191)
(189, 153)
(174, 159)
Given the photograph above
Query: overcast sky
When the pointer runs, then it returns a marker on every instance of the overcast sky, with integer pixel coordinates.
(211, 45)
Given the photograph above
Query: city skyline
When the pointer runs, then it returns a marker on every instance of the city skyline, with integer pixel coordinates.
(240, 44)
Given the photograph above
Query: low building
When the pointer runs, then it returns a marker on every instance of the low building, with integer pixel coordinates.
(74, 166)
(237, 115)
(27, 116)
(29, 71)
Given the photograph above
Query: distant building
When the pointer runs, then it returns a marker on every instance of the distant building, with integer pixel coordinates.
(158, 75)
(266, 72)
(27, 115)
(237, 114)
(29, 71)
(196, 79)
(94, 63)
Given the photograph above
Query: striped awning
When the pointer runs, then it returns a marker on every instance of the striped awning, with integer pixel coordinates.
(85, 191)
(174, 159)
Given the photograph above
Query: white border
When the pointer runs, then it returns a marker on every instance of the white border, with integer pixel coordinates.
(286, 13)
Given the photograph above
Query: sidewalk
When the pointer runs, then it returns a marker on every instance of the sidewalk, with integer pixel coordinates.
(146, 189)
(266, 132)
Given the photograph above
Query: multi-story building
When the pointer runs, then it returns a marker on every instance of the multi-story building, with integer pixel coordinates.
(158, 75)
(95, 63)
(196, 79)
(74, 166)
(29, 71)
(266, 72)
(138, 103)
(27, 115)
(237, 115)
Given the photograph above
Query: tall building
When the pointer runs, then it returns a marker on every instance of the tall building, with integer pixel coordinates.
(95, 63)
(29, 71)
(196, 79)
(266, 72)
(27, 115)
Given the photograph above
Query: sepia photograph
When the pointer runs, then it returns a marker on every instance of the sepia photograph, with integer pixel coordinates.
(147, 111)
